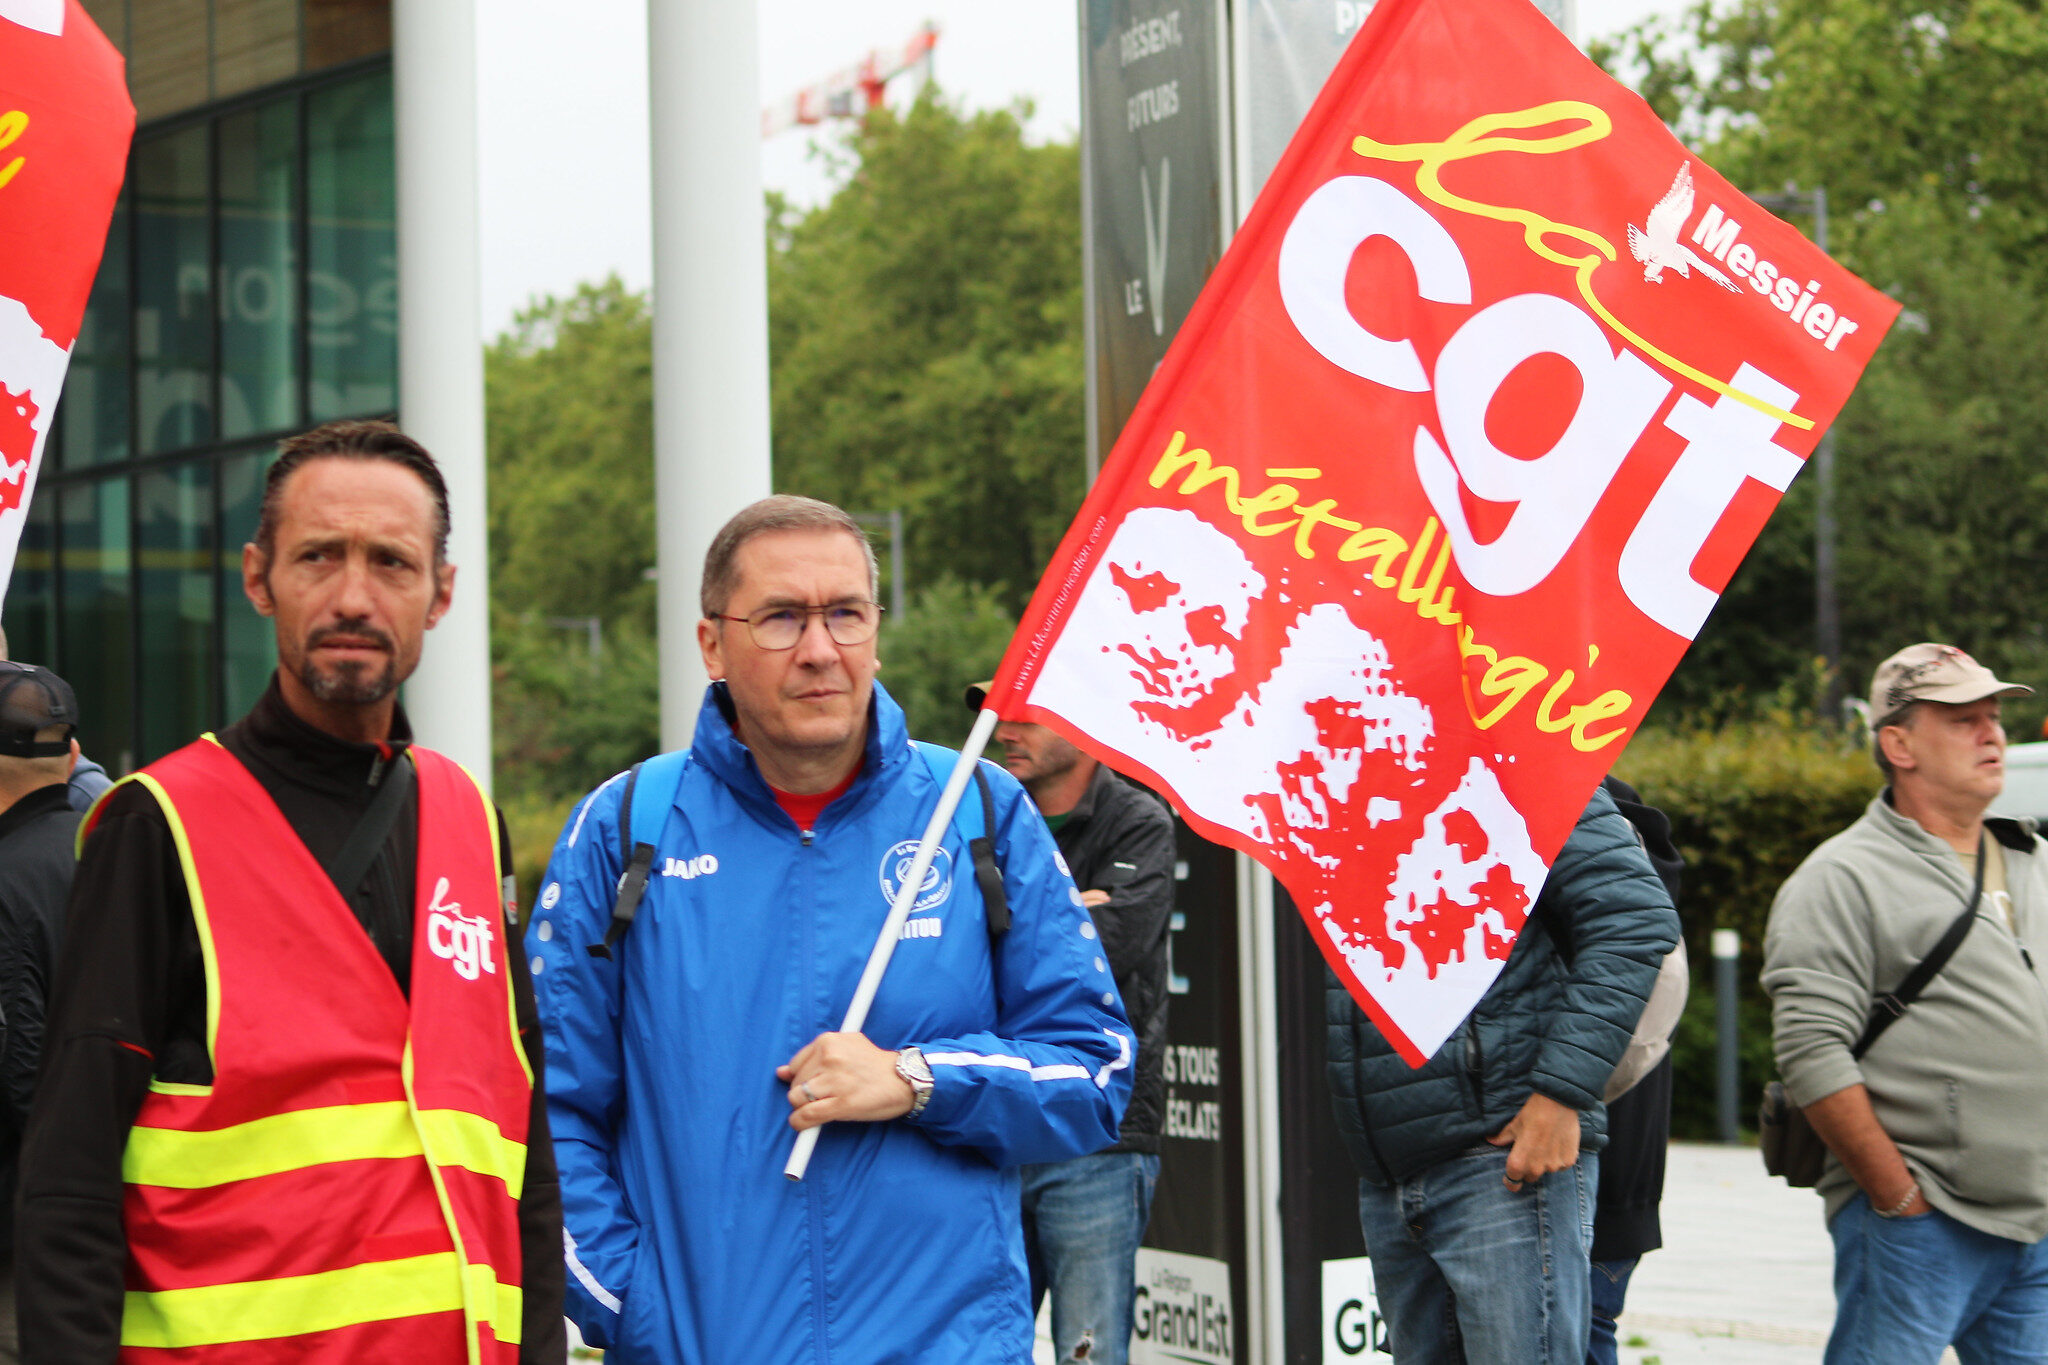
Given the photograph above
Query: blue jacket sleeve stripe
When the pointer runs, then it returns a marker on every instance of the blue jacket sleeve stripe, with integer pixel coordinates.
(583, 1275)
(583, 811)
(1067, 1072)
(1122, 1062)
(1038, 1073)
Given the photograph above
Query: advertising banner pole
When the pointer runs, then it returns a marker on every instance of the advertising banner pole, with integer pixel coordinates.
(710, 313)
(440, 355)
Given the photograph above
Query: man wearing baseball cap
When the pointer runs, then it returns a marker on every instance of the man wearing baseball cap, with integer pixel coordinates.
(37, 825)
(1936, 1185)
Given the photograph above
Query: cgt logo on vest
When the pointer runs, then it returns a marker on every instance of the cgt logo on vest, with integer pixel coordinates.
(464, 940)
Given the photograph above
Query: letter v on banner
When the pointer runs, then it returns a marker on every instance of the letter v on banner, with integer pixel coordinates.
(1436, 483)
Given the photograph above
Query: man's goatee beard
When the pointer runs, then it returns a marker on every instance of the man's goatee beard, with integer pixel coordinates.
(351, 684)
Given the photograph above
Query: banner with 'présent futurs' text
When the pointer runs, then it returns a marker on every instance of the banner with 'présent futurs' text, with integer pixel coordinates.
(1443, 473)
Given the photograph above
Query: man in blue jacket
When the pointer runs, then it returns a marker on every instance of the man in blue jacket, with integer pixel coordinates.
(681, 1059)
(1478, 1169)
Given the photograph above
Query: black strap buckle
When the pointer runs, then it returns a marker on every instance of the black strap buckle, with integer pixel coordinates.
(632, 886)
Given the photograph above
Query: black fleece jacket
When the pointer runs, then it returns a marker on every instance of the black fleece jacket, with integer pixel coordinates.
(1625, 1221)
(36, 863)
(129, 1006)
(1119, 839)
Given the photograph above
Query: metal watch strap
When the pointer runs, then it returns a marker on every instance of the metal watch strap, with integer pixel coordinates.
(912, 1067)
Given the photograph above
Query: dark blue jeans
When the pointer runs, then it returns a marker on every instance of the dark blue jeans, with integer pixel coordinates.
(1907, 1287)
(1610, 1291)
(1083, 1220)
(1469, 1272)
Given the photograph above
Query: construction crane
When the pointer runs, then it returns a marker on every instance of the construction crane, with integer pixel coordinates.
(854, 90)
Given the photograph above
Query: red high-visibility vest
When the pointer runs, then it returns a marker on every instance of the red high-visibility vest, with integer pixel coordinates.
(347, 1188)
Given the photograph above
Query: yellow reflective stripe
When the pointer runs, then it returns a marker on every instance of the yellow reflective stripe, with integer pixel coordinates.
(187, 1160)
(199, 915)
(472, 1306)
(295, 1305)
(485, 1288)
(292, 1305)
(513, 947)
(456, 1138)
(193, 1160)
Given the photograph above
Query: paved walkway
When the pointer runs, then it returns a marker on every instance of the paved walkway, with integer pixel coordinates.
(1744, 1276)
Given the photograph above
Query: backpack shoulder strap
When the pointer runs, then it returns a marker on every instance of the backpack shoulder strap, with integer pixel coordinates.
(978, 834)
(643, 803)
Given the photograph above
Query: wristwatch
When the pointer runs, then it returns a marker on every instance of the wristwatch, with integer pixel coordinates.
(912, 1067)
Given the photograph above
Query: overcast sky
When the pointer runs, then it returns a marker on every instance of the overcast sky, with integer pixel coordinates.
(565, 195)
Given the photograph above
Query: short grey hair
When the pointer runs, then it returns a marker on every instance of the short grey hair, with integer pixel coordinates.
(783, 512)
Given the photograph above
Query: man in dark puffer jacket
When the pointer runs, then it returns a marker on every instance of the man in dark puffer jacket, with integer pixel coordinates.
(1479, 1167)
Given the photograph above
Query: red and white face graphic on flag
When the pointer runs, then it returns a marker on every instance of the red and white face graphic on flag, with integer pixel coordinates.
(65, 121)
(1444, 472)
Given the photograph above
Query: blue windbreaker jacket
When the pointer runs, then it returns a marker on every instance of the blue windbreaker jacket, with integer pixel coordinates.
(685, 1243)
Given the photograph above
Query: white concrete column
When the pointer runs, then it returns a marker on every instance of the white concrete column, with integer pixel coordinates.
(710, 312)
(440, 352)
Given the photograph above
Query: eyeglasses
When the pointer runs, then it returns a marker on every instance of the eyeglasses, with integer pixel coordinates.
(776, 628)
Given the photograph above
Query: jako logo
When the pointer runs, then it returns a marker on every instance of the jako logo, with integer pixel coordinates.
(703, 865)
(938, 878)
(463, 939)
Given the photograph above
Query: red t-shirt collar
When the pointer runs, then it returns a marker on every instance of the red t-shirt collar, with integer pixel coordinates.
(805, 808)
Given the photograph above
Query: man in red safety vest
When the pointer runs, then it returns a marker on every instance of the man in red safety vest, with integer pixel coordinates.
(289, 1107)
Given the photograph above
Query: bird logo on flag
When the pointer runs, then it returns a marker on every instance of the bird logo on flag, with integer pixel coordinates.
(1656, 243)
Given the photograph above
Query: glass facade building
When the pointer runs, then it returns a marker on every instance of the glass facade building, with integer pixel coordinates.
(248, 291)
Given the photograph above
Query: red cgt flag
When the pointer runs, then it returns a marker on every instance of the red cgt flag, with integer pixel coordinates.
(1443, 473)
(65, 121)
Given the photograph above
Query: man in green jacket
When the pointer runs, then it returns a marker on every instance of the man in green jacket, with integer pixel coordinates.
(1937, 1184)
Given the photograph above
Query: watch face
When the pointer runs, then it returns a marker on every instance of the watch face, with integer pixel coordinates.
(911, 1063)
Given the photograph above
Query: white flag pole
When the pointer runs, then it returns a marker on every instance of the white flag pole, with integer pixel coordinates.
(899, 909)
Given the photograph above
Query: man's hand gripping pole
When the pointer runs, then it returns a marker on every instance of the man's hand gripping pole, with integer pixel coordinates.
(899, 909)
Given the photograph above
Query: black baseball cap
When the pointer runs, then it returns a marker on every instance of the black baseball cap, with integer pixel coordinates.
(32, 699)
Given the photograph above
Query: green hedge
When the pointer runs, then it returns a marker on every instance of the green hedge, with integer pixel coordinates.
(1747, 803)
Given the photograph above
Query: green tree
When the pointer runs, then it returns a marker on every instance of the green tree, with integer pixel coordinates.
(925, 332)
(569, 402)
(954, 634)
(569, 396)
(1928, 126)
(926, 349)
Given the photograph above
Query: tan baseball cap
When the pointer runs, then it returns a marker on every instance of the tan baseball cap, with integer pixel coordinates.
(1931, 672)
(977, 693)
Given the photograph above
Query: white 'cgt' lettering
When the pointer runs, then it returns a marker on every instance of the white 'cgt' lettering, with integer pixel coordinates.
(464, 940)
(1554, 494)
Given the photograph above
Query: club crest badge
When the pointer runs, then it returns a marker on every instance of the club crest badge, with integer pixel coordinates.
(938, 878)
